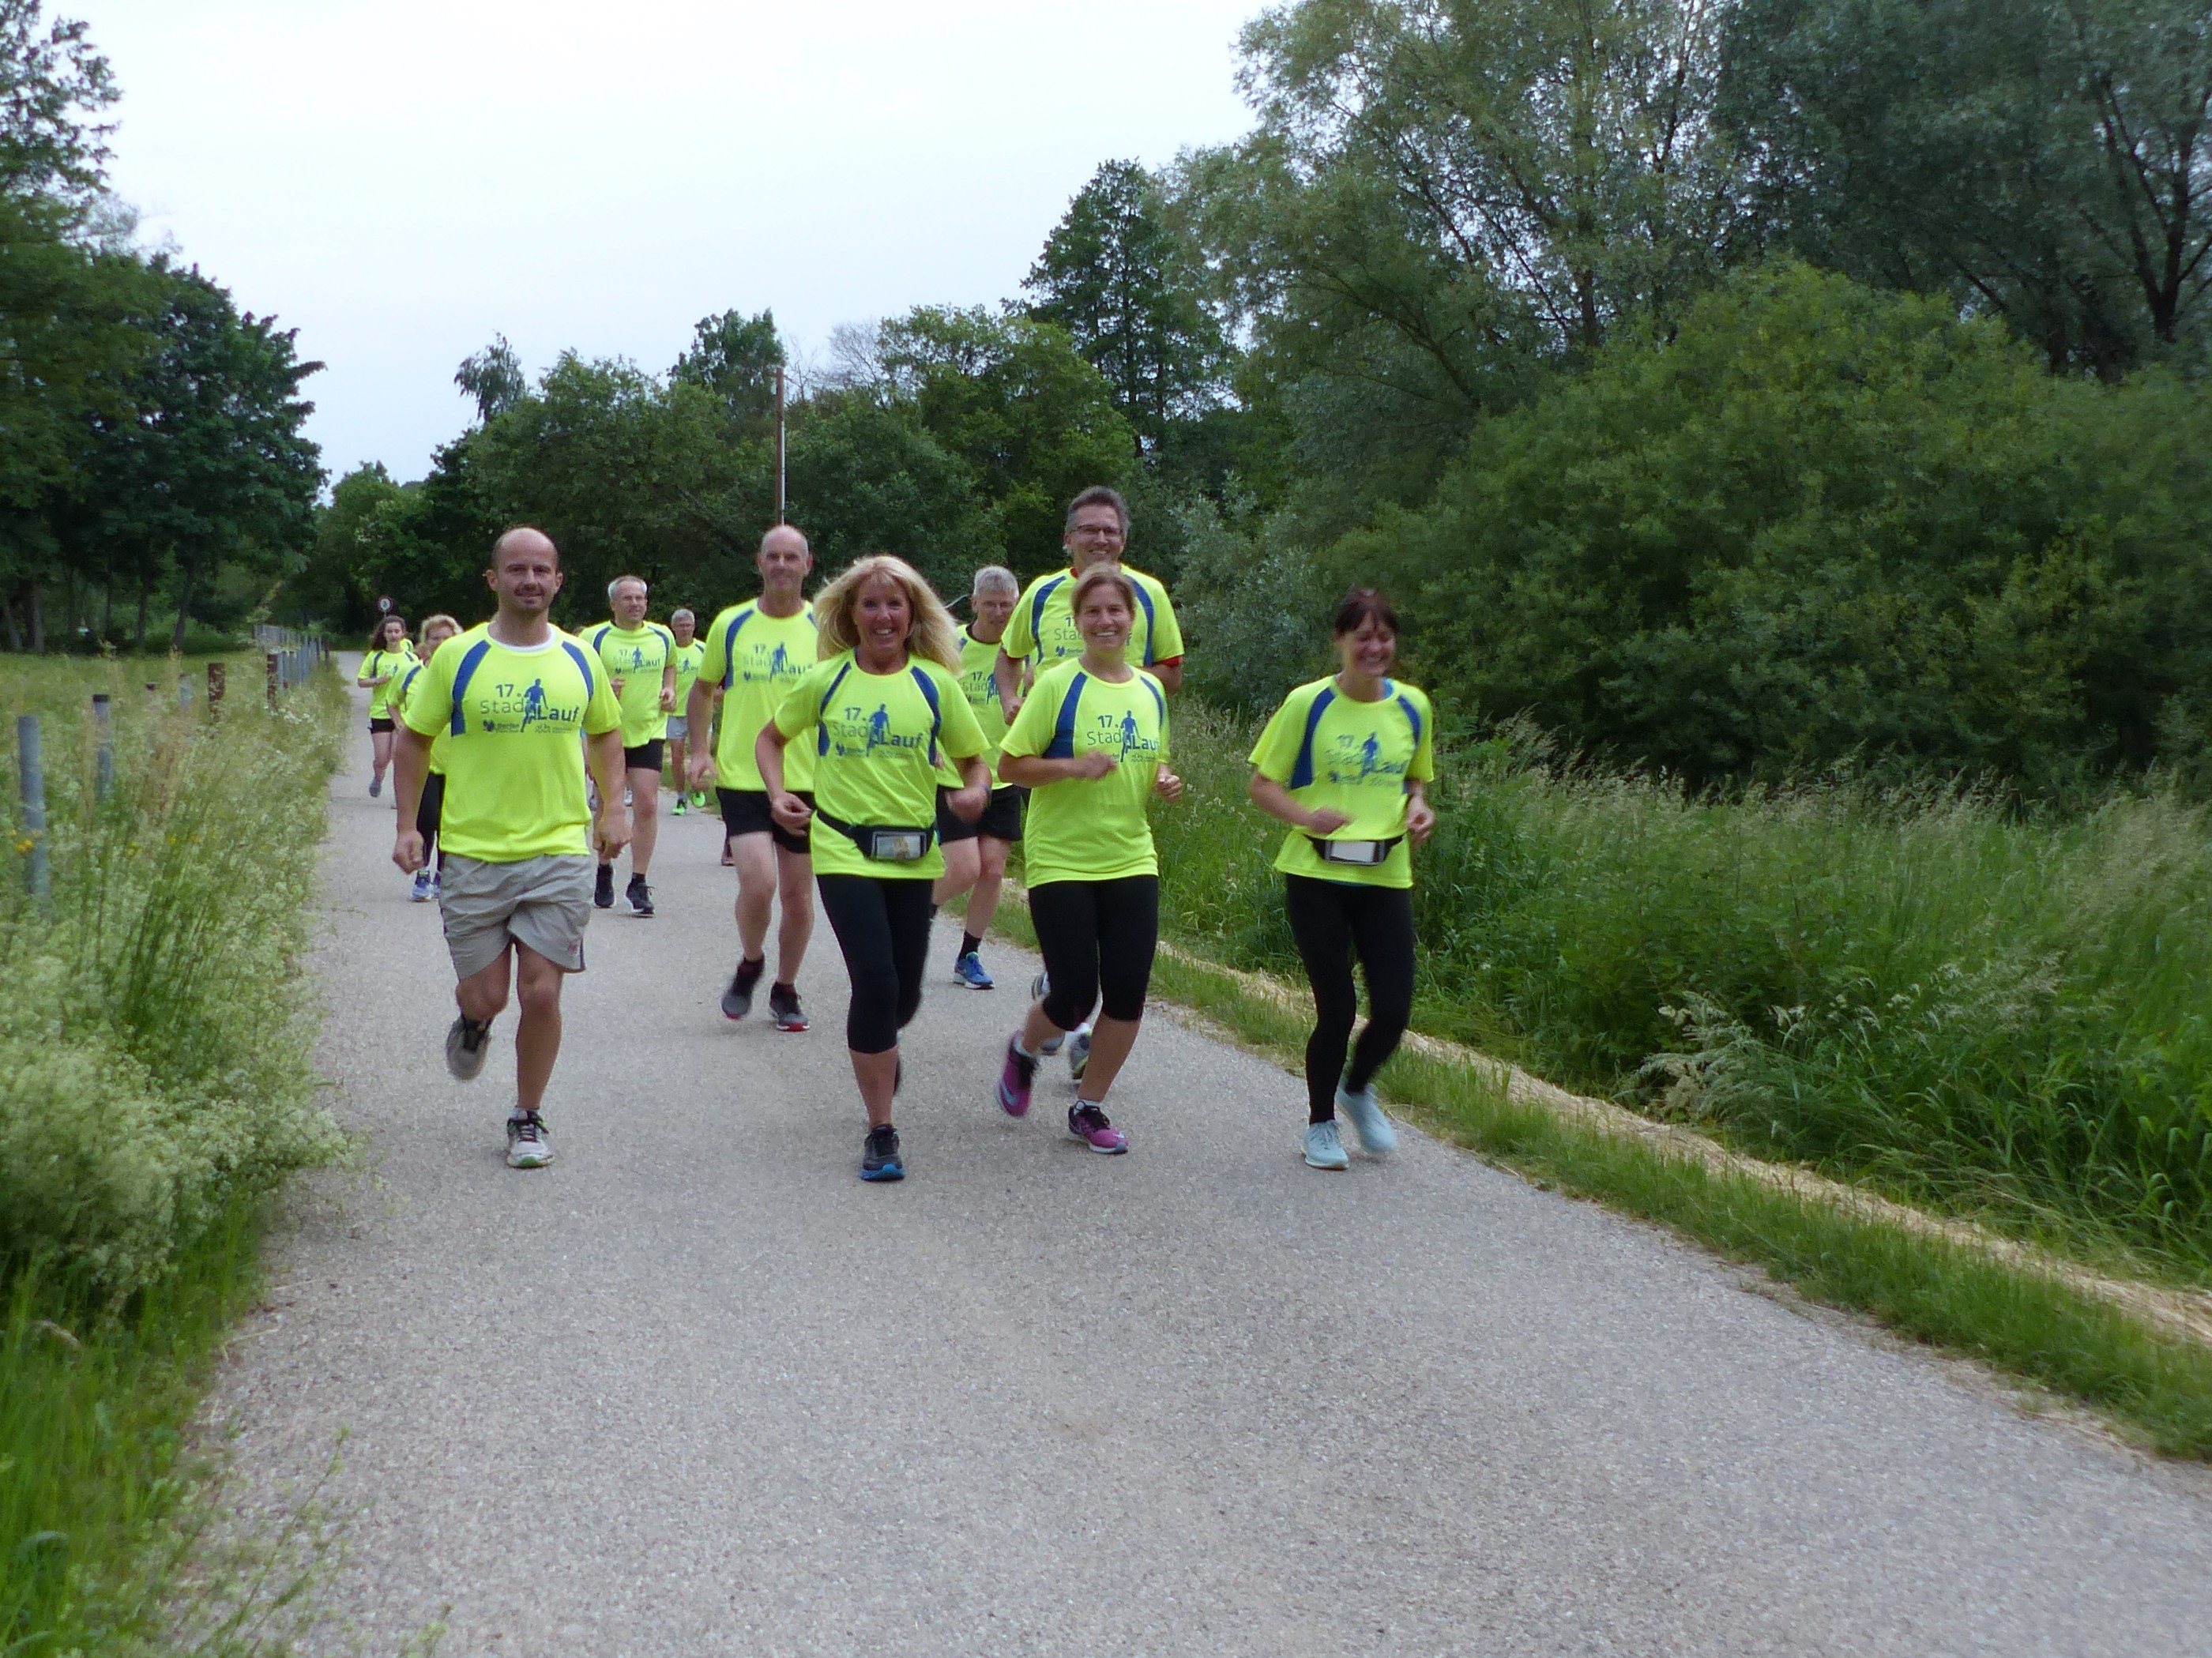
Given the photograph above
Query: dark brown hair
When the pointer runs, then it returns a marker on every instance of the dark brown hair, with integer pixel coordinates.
(1099, 496)
(1360, 606)
(376, 633)
(1091, 579)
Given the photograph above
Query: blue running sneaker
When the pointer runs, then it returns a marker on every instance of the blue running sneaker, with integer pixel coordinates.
(1079, 1050)
(879, 1156)
(968, 970)
(1325, 1147)
(1372, 1129)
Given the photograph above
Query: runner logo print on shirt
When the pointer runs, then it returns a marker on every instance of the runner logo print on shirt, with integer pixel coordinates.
(501, 708)
(856, 734)
(1354, 761)
(1123, 737)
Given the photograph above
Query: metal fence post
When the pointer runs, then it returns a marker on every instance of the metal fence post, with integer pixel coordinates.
(31, 771)
(103, 725)
(272, 681)
(184, 690)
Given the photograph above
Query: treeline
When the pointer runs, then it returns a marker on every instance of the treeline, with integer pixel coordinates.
(152, 468)
(1742, 389)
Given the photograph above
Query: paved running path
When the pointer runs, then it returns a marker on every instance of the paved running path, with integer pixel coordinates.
(696, 1389)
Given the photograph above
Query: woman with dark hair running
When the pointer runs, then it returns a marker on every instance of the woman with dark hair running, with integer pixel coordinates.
(885, 709)
(387, 663)
(436, 630)
(1091, 744)
(1346, 762)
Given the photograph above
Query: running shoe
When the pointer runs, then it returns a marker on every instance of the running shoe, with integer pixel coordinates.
(1079, 1050)
(1087, 1122)
(1325, 1146)
(879, 1156)
(968, 970)
(467, 1043)
(1015, 1080)
(737, 999)
(678, 810)
(1368, 1126)
(699, 799)
(529, 1145)
(375, 788)
(603, 894)
(783, 1003)
(421, 895)
(1050, 1045)
(640, 897)
(438, 884)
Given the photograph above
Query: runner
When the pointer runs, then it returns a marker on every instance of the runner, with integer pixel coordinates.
(512, 695)
(976, 853)
(1346, 762)
(1042, 631)
(755, 651)
(886, 641)
(640, 657)
(689, 653)
(1091, 744)
(388, 657)
(436, 630)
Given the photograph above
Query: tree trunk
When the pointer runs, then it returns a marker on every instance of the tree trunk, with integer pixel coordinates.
(8, 616)
(145, 588)
(107, 608)
(38, 619)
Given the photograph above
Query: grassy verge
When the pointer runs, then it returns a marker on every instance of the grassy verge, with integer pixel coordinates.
(2156, 1391)
(157, 1051)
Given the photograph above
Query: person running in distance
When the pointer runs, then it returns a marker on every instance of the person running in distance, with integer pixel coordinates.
(690, 653)
(640, 657)
(755, 651)
(976, 853)
(1345, 762)
(512, 695)
(883, 712)
(436, 630)
(388, 659)
(1042, 631)
(1092, 745)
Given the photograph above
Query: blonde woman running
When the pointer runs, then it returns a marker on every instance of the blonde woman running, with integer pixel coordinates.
(1346, 762)
(436, 630)
(1091, 744)
(882, 711)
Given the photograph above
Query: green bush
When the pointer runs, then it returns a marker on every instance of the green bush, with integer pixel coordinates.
(2004, 1018)
(1824, 524)
(156, 1037)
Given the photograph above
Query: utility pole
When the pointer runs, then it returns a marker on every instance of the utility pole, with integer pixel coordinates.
(779, 518)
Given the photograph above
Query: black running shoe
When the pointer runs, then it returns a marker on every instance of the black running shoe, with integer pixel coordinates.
(879, 1156)
(640, 897)
(783, 1003)
(604, 893)
(737, 999)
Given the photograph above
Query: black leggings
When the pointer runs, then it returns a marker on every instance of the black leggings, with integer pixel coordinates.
(882, 924)
(1330, 919)
(429, 813)
(1098, 937)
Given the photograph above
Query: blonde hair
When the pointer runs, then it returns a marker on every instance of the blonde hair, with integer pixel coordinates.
(438, 619)
(930, 633)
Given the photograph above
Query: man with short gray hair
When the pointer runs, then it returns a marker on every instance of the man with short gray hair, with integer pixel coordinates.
(640, 657)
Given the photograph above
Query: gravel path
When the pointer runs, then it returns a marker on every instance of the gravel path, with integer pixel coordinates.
(695, 1389)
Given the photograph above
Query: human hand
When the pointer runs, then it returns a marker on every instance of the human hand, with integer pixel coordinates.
(1420, 820)
(1326, 820)
(789, 810)
(1168, 786)
(407, 850)
(611, 832)
(1095, 763)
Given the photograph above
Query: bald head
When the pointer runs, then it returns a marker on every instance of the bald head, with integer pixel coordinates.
(522, 538)
(785, 534)
(525, 574)
(784, 561)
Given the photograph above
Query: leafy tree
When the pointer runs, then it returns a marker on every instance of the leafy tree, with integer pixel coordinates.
(866, 477)
(734, 357)
(2047, 160)
(1116, 278)
(53, 85)
(494, 378)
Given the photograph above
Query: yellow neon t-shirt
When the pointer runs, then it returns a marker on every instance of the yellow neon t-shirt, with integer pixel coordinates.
(976, 661)
(638, 657)
(1356, 758)
(1087, 828)
(392, 662)
(880, 741)
(400, 688)
(1043, 623)
(755, 659)
(515, 768)
(689, 659)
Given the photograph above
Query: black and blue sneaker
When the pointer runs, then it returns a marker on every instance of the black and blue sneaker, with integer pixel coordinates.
(879, 1156)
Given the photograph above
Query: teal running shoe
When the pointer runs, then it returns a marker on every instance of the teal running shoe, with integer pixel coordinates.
(1372, 1129)
(1325, 1147)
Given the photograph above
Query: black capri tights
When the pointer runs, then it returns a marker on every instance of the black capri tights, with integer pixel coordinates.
(1330, 919)
(882, 926)
(430, 812)
(1098, 938)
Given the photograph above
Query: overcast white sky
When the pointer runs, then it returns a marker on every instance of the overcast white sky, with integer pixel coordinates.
(402, 178)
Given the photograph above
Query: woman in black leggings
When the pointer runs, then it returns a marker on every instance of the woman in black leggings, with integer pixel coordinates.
(436, 630)
(884, 708)
(1346, 762)
(1089, 743)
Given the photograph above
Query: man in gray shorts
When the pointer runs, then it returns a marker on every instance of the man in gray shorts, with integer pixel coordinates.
(521, 844)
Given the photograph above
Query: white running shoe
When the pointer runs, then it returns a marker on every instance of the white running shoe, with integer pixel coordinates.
(1079, 1050)
(529, 1145)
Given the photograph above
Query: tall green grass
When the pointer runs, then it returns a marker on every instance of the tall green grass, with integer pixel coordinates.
(155, 1085)
(2002, 1018)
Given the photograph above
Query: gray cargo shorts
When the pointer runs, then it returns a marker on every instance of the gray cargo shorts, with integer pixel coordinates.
(544, 902)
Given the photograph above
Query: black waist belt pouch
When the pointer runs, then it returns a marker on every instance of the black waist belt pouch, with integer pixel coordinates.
(884, 843)
(1366, 854)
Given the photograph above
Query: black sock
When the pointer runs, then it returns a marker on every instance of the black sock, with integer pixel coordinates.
(780, 988)
(970, 944)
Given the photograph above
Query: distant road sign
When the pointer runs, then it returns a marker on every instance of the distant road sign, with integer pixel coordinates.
(384, 605)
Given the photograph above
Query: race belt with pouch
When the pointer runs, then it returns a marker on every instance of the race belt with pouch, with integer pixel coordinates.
(1366, 854)
(884, 844)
